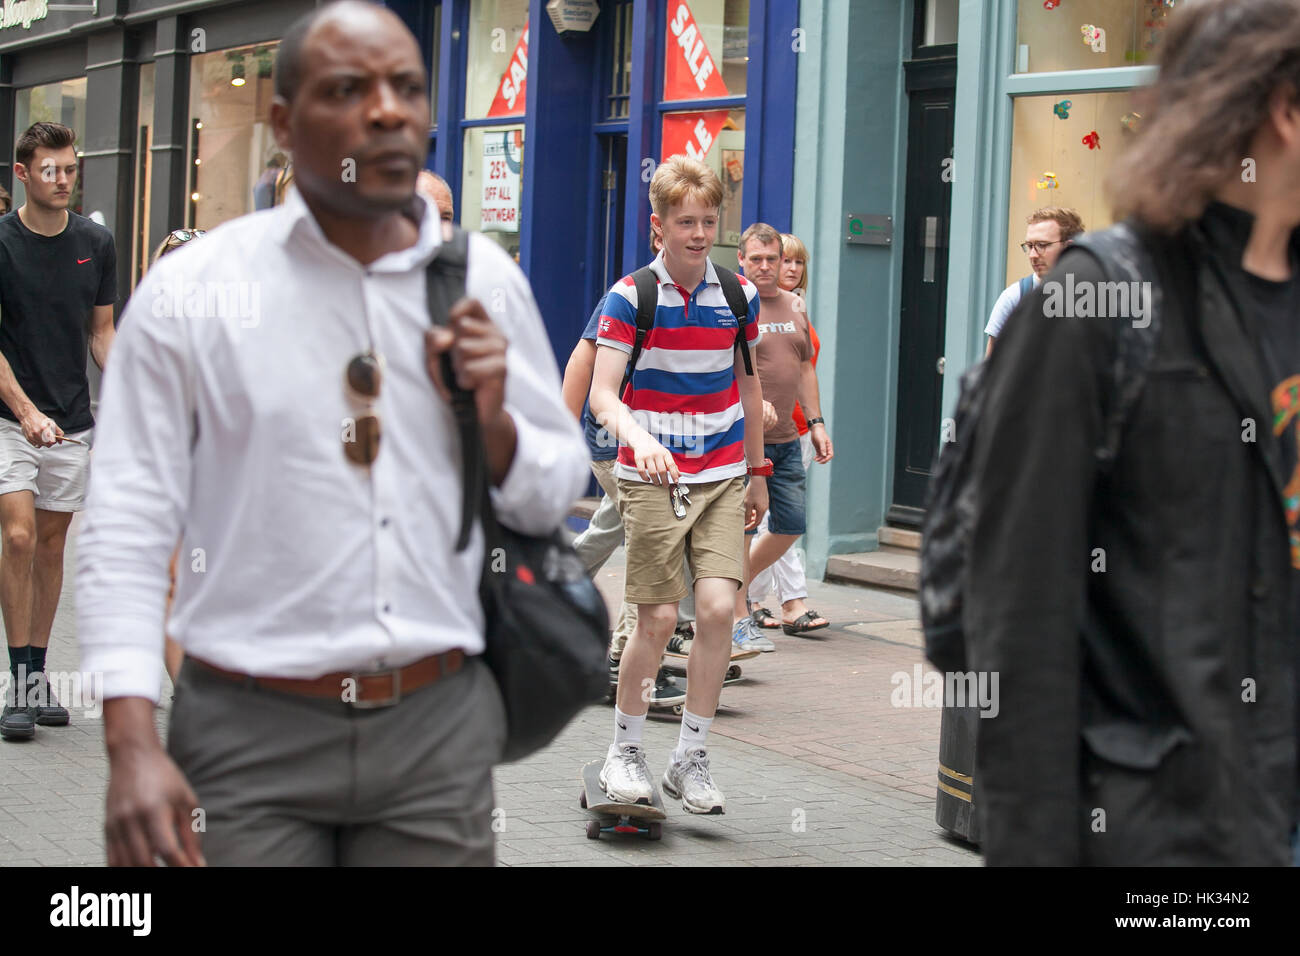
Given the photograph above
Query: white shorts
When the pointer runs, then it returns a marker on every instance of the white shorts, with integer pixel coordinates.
(55, 475)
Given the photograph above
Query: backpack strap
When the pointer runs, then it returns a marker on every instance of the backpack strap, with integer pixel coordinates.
(444, 284)
(1124, 257)
(739, 302)
(1026, 286)
(647, 301)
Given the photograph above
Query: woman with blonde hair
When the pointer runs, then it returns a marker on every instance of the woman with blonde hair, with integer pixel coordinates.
(787, 574)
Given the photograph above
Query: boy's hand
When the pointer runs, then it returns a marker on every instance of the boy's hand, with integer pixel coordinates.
(654, 463)
(755, 501)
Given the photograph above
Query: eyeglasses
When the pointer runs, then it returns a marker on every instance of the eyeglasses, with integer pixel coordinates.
(1038, 247)
(364, 376)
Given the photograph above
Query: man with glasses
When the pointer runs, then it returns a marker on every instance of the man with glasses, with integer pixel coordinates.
(333, 707)
(1050, 231)
(57, 297)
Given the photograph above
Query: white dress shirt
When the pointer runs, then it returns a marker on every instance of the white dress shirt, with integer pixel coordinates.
(221, 423)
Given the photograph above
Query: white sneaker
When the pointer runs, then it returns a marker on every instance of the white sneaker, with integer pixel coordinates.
(690, 781)
(747, 636)
(625, 776)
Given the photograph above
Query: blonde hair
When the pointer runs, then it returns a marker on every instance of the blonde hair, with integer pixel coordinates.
(1067, 220)
(679, 178)
(792, 247)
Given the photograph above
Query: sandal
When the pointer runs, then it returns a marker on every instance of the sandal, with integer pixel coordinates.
(765, 618)
(804, 623)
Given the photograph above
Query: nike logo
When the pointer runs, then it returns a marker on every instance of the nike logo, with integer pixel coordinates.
(82, 262)
(621, 725)
(694, 730)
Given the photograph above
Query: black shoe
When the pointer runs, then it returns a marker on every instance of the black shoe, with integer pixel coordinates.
(49, 712)
(18, 723)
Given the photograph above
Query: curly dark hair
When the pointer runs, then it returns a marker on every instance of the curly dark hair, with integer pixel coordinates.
(1221, 62)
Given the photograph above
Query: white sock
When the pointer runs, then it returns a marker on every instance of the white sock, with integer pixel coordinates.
(627, 729)
(693, 733)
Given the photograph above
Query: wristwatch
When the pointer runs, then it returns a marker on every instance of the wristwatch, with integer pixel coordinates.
(764, 470)
(816, 421)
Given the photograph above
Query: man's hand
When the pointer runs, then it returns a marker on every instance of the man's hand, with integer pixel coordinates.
(478, 357)
(150, 808)
(769, 415)
(755, 501)
(40, 430)
(654, 462)
(821, 440)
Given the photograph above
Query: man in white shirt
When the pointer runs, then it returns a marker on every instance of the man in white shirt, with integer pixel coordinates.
(333, 708)
(1051, 230)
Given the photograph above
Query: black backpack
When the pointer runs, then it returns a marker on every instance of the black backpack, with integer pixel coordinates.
(647, 300)
(950, 506)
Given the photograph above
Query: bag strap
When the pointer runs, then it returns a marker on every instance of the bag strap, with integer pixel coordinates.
(1026, 286)
(444, 285)
(739, 302)
(647, 301)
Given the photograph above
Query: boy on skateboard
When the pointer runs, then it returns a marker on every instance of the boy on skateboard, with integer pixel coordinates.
(691, 422)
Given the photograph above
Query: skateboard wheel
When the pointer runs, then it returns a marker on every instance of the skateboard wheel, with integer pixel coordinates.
(677, 710)
(582, 799)
(733, 672)
(654, 830)
(593, 829)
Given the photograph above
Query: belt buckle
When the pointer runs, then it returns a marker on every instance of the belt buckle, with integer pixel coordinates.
(389, 701)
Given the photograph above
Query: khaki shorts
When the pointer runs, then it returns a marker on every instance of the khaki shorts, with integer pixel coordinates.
(710, 536)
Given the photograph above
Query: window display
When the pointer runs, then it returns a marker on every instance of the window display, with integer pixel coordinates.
(1068, 35)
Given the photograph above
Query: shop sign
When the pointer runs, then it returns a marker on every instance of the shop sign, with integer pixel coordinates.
(23, 12)
(502, 162)
(510, 97)
(690, 72)
(577, 15)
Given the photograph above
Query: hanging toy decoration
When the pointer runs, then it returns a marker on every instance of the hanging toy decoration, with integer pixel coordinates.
(1048, 181)
(1051, 4)
(1092, 140)
(1131, 121)
(1062, 109)
(1094, 37)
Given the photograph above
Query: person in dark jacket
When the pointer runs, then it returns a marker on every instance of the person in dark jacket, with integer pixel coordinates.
(1142, 617)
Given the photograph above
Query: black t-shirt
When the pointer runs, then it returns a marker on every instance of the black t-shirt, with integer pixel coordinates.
(48, 287)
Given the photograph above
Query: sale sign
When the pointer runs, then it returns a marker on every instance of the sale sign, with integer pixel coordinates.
(510, 99)
(690, 72)
(691, 134)
(502, 162)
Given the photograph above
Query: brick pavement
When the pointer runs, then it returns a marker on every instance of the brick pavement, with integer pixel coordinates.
(818, 767)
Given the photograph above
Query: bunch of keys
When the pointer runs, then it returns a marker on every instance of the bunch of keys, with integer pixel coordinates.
(681, 497)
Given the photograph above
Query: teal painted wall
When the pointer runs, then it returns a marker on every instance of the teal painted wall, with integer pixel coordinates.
(850, 152)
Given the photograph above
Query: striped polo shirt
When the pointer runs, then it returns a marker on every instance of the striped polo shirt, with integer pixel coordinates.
(683, 390)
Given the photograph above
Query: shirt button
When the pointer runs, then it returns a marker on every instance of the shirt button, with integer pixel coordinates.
(388, 608)
(383, 522)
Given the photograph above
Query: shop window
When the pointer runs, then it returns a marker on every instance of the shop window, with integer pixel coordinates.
(718, 138)
(620, 72)
(1055, 160)
(498, 59)
(1102, 33)
(52, 103)
(233, 157)
(706, 49)
(140, 252)
(490, 193)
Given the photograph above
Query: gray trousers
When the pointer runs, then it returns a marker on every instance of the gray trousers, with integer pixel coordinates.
(285, 780)
(601, 539)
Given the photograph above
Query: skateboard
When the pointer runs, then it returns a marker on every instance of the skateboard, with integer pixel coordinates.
(678, 666)
(736, 656)
(614, 816)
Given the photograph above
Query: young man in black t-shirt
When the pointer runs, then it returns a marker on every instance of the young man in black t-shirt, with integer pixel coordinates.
(56, 298)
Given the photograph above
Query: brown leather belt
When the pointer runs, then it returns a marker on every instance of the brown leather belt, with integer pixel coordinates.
(359, 689)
